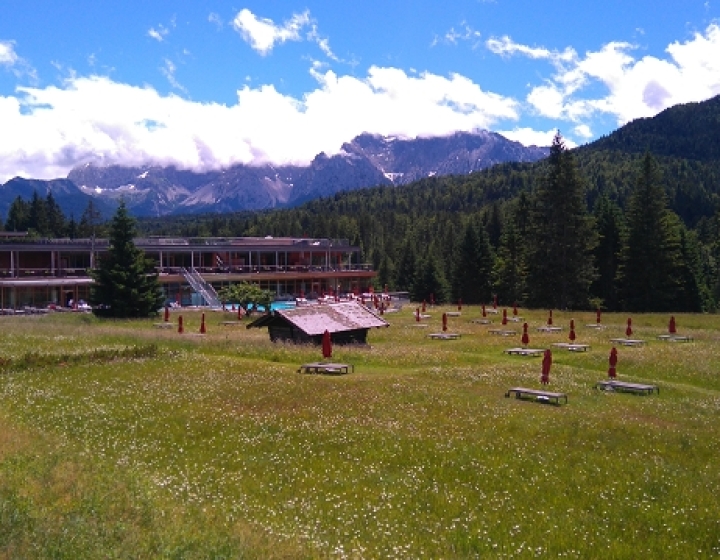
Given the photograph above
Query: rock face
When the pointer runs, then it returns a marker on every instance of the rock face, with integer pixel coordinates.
(366, 161)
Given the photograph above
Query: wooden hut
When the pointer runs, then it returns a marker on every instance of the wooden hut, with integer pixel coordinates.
(347, 322)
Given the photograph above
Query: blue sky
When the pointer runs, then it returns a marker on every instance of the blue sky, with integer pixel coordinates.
(207, 84)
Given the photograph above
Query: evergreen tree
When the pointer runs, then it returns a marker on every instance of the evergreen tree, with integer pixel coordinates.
(472, 267)
(561, 236)
(509, 268)
(648, 278)
(610, 227)
(18, 215)
(406, 267)
(91, 222)
(125, 282)
(694, 294)
(429, 281)
(55, 217)
(37, 217)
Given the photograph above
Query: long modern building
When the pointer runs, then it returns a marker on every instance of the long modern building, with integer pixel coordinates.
(38, 272)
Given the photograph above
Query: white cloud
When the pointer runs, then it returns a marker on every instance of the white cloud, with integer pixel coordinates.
(505, 46)
(8, 57)
(632, 87)
(531, 137)
(262, 34)
(453, 36)
(168, 70)
(216, 20)
(158, 34)
(50, 130)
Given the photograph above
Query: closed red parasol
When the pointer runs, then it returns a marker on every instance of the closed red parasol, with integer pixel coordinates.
(550, 318)
(424, 306)
(546, 363)
(671, 326)
(628, 330)
(495, 299)
(598, 316)
(484, 313)
(326, 345)
(417, 315)
(504, 319)
(460, 304)
(444, 320)
(167, 313)
(515, 311)
(612, 372)
(180, 325)
(202, 324)
(525, 337)
(571, 335)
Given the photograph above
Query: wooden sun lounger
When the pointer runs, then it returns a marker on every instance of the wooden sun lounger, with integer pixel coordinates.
(538, 394)
(624, 386)
(326, 367)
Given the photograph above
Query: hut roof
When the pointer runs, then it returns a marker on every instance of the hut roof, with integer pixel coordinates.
(334, 317)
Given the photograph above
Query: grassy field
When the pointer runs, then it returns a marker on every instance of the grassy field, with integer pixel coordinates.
(122, 440)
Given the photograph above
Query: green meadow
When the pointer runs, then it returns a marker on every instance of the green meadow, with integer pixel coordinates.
(122, 440)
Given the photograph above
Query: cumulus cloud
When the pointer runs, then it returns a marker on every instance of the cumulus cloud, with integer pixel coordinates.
(632, 86)
(96, 119)
(531, 137)
(263, 34)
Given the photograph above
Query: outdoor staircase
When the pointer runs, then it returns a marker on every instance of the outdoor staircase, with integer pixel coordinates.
(206, 291)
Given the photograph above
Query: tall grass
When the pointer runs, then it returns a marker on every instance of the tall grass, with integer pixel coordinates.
(214, 446)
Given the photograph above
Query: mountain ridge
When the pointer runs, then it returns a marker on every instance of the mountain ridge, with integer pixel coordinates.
(366, 161)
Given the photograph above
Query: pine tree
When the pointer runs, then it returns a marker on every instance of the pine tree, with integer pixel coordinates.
(610, 225)
(55, 217)
(125, 282)
(18, 215)
(37, 216)
(429, 281)
(648, 278)
(472, 267)
(509, 268)
(561, 236)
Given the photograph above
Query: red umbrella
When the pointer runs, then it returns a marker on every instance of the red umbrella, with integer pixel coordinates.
(167, 313)
(417, 315)
(504, 319)
(598, 315)
(550, 318)
(180, 325)
(671, 326)
(326, 345)
(460, 304)
(444, 320)
(423, 306)
(495, 301)
(546, 363)
(612, 372)
(179, 298)
(572, 330)
(525, 337)
(515, 309)
(202, 324)
(484, 313)
(628, 330)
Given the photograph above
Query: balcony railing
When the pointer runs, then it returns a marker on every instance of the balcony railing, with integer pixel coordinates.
(39, 273)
